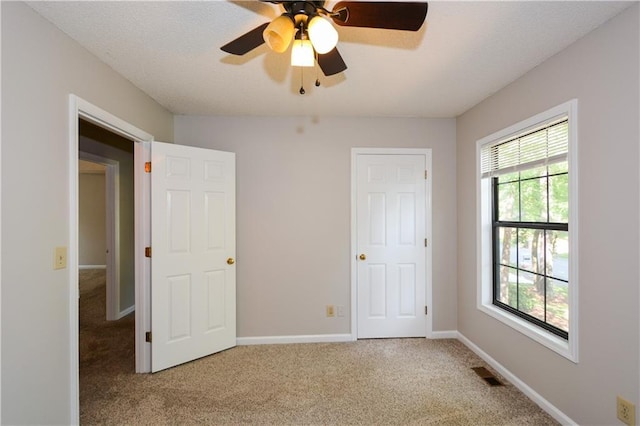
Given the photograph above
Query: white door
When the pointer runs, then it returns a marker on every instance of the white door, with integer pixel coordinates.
(391, 261)
(193, 277)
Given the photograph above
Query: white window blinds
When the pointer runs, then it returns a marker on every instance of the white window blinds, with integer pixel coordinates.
(544, 145)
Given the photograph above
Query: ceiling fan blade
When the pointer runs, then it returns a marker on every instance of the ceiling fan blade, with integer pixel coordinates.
(246, 42)
(331, 62)
(408, 16)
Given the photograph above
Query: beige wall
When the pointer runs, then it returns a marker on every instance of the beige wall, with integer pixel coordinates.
(601, 71)
(41, 66)
(293, 213)
(92, 219)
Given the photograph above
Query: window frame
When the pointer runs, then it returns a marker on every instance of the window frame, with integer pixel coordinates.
(497, 225)
(485, 229)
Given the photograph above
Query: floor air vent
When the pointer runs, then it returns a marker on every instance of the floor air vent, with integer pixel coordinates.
(487, 376)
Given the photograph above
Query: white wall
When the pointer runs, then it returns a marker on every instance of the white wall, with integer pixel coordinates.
(41, 66)
(293, 213)
(92, 219)
(601, 71)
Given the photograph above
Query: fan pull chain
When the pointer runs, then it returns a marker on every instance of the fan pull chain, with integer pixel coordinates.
(302, 91)
(317, 73)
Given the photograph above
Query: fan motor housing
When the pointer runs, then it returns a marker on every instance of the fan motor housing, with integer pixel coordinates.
(307, 8)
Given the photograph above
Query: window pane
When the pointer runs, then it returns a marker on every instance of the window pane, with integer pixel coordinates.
(507, 246)
(506, 292)
(558, 254)
(524, 248)
(531, 294)
(558, 304)
(534, 200)
(562, 167)
(535, 172)
(537, 251)
(509, 177)
(508, 207)
(559, 198)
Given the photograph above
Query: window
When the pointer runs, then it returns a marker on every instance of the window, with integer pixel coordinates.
(527, 261)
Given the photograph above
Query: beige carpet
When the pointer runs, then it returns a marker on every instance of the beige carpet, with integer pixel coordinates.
(368, 382)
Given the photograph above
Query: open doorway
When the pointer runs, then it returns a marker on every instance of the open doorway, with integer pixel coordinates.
(106, 239)
(101, 147)
(94, 253)
(99, 226)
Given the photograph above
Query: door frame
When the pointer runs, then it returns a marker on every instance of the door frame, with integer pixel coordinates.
(355, 152)
(112, 192)
(80, 108)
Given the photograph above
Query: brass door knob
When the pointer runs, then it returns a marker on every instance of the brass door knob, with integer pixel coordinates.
(230, 261)
(363, 256)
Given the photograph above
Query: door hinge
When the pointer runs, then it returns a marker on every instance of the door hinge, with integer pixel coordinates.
(147, 167)
(426, 242)
(147, 336)
(147, 252)
(426, 174)
(426, 310)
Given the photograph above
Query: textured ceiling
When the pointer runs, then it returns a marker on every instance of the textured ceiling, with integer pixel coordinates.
(465, 52)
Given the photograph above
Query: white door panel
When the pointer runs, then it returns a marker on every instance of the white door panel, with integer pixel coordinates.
(192, 236)
(391, 208)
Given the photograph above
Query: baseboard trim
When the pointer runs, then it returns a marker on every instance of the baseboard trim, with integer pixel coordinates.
(524, 388)
(92, 267)
(126, 312)
(276, 340)
(447, 334)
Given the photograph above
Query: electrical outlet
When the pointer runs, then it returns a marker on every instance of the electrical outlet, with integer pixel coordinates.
(60, 258)
(626, 411)
(331, 312)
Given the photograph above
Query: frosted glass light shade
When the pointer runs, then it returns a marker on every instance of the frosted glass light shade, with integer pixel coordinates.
(302, 54)
(322, 34)
(279, 33)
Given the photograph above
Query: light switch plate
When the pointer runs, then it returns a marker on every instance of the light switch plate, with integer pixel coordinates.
(60, 258)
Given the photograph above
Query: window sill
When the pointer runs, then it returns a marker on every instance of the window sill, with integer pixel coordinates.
(562, 347)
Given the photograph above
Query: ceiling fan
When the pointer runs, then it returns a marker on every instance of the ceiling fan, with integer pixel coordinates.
(308, 25)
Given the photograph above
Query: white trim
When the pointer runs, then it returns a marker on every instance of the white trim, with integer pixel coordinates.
(447, 334)
(278, 340)
(532, 122)
(108, 121)
(428, 229)
(79, 108)
(126, 312)
(142, 226)
(551, 409)
(0, 244)
(568, 349)
(81, 267)
(72, 261)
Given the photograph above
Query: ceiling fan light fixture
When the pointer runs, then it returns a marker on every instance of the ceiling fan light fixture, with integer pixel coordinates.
(279, 33)
(302, 54)
(323, 35)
